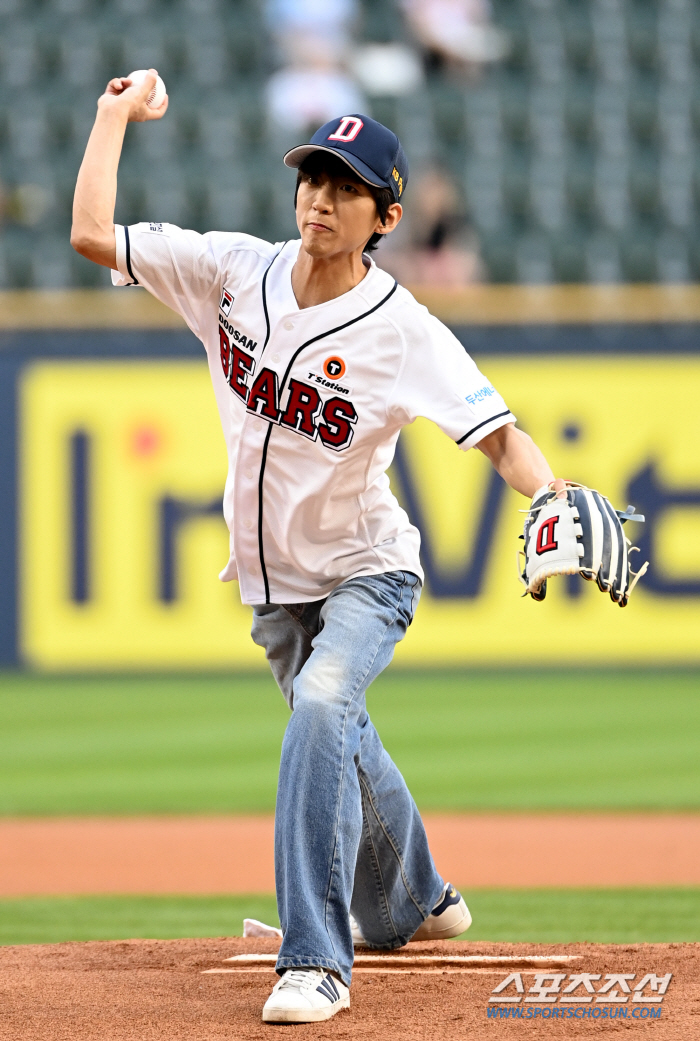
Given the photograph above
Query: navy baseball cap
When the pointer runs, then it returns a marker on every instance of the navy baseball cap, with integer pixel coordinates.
(373, 151)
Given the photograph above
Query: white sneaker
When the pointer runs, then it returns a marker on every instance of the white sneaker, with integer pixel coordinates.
(358, 939)
(305, 996)
(449, 917)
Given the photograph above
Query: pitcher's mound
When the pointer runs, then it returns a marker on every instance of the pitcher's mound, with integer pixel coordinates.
(165, 990)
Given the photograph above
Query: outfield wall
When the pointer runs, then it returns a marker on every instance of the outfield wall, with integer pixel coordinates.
(112, 469)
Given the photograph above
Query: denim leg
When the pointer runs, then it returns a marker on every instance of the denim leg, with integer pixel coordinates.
(344, 814)
(287, 645)
(396, 884)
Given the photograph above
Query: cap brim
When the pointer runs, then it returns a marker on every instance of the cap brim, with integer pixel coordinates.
(296, 156)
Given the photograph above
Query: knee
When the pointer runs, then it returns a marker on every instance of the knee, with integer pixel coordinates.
(314, 709)
(322, 686)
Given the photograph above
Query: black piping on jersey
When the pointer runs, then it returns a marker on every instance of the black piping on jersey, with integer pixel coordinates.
(264, 298)
(135, 280)
(482, 424)
(267, 435)
(314, 339)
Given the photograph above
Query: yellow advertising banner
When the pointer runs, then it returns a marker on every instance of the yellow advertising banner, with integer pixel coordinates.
(122, 537)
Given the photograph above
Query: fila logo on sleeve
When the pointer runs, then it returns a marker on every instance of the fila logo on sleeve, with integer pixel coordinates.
(348, 129)
(545, 536)
(226, 301)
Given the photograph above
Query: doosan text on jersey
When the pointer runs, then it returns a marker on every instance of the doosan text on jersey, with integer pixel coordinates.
(311, 403)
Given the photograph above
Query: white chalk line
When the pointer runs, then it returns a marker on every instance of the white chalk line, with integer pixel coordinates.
(424, 964)
(403, 961)
(245, 970)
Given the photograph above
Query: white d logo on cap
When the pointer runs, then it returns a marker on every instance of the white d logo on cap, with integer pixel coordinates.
(349, 128)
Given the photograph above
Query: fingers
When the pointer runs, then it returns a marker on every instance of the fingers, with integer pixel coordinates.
(143, 87)
(559, 486)
(148, 82)
(140, 112)
(132, 97)
(117, 85)
(158, 113)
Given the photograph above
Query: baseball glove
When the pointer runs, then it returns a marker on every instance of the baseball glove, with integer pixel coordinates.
(579, 535)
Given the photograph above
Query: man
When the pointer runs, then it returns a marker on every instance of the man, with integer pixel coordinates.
(318, 359)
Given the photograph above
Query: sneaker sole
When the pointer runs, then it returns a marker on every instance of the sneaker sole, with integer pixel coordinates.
(301, 1015)
(432, 933)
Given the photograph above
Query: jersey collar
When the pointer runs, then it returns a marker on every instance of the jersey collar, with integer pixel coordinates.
(373, 287)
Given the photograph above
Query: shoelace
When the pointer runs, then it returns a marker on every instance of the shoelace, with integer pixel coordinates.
(299, 978)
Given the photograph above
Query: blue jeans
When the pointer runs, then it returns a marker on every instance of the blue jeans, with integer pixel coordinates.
(348, 835)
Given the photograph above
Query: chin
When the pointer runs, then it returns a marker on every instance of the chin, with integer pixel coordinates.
(315, 246)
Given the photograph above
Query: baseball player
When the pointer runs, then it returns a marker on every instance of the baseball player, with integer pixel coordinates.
(318, 359)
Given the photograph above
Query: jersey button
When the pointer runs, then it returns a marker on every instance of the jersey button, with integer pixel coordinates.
(288, 326)
(248, 523)
(252, 570)
(275, 357)
(249, 474)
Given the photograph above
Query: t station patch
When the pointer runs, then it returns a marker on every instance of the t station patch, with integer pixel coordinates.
(334, 368)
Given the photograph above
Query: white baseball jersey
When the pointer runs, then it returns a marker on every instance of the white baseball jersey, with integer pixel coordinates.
(311, 403)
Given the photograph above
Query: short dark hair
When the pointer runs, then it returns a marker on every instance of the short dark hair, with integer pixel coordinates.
(324, 163)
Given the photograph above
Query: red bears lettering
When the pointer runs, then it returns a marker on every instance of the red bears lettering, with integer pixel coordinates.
(302, 409)
(224, 351)
(305, 408)
(265, 393)
(336, 431)
(241, 365)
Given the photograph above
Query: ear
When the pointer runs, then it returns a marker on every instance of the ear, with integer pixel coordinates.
(393, 216)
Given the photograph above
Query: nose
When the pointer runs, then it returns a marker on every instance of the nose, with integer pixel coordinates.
(323, 198)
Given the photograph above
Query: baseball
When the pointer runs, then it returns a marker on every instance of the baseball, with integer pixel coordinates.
(156, 97)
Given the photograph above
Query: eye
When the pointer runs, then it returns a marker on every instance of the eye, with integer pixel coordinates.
(349, 188)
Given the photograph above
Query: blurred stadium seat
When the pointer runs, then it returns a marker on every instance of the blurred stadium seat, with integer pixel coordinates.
(576, 153)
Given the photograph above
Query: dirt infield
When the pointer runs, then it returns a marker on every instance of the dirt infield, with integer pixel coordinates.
(206, 855)
(147, 990)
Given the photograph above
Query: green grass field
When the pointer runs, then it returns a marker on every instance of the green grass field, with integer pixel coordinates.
(563, 739)
(535, 915)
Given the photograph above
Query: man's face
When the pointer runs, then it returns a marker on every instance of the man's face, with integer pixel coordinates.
(337, 214)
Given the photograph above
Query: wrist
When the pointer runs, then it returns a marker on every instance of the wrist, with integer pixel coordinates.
(109, 113)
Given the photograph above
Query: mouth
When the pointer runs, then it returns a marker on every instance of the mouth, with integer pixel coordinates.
(317, 226)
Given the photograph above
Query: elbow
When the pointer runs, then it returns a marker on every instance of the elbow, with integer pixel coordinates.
(100, 250)
(81, 243)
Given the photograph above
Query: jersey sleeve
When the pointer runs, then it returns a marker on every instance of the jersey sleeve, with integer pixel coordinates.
(182, 269)
(441, 382)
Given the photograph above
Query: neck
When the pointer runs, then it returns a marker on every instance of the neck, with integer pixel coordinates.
(318, 279)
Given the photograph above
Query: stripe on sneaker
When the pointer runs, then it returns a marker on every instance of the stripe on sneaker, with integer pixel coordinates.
(328, 988)
(450, 898)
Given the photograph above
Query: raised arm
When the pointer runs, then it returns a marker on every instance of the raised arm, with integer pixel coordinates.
(519, 461)
(92, 234)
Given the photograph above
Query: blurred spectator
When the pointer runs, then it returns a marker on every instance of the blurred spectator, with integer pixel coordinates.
(302, 99)
(456, 32)
(313, 39)
(311, 25)
(434, 244)
(26, 204)
(387, 69)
